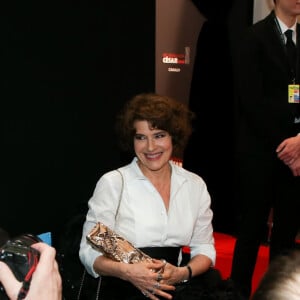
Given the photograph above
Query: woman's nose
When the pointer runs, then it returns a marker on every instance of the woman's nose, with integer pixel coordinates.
(150, 144)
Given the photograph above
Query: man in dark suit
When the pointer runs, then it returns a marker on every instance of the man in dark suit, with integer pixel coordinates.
(268, 140)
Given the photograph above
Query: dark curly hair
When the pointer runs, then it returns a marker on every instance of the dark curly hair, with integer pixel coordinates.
(162, 112)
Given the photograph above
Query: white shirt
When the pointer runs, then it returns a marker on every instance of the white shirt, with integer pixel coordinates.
(284, 28)
(142, 217)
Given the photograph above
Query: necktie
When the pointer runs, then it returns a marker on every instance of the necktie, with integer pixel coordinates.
(290, 48)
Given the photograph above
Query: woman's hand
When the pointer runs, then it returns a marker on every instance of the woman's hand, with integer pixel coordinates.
(148, 278)
(173, 274)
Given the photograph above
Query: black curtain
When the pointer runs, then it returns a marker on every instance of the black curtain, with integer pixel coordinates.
(68, 67)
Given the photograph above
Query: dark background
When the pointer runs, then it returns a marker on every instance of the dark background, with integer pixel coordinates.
(67, 68)
(210, 151)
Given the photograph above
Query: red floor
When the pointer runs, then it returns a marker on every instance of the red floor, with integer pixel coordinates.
(224, 246)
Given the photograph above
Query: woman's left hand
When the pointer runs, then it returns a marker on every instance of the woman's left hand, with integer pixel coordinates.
(173, 274)
(150, 280)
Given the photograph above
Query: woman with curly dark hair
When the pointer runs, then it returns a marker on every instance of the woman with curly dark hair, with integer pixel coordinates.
(162, 208)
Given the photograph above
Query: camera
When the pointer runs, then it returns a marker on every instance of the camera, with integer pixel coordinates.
(21, 258)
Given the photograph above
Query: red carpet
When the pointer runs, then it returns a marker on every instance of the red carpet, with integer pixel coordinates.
(224, 246)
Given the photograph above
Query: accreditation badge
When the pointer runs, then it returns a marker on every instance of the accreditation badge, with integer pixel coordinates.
(294, 96)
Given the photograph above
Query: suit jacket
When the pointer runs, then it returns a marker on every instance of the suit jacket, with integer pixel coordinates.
(264, 116)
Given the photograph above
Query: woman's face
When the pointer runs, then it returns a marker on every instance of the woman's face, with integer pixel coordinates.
(153, 147)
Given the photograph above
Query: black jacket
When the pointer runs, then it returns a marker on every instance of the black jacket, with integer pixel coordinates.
(264, 116)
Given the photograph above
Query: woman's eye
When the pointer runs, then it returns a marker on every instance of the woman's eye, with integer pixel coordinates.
(139, 137)
(160, 135)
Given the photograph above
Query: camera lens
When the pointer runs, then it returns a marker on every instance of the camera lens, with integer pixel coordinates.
(19, 256)
(27, 239)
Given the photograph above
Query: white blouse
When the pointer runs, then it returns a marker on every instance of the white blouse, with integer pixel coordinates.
(142, 217)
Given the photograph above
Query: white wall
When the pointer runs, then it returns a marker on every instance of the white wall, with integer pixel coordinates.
(261, 9)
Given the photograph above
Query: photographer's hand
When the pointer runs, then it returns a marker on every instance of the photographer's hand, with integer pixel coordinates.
(46, 283)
